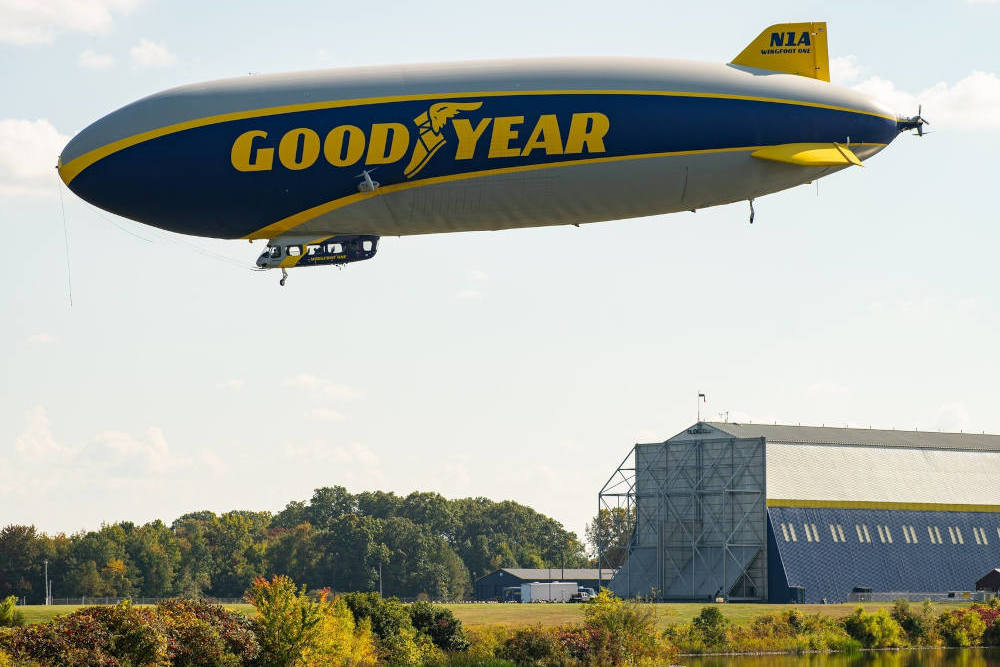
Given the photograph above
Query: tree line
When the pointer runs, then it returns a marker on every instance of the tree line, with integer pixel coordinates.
(419, 544)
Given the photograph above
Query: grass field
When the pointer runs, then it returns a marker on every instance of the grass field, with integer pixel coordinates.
(474, 614)
(668, 614)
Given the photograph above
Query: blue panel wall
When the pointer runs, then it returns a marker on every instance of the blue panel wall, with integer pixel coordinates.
(830, 569)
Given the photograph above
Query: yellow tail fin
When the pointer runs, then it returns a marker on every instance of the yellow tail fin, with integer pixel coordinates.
(792, 48)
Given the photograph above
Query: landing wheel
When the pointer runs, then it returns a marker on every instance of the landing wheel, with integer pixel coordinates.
(284, 277)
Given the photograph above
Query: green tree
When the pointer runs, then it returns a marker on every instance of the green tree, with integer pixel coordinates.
(610, 533)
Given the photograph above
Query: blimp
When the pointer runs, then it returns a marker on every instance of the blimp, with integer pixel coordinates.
(322, 164)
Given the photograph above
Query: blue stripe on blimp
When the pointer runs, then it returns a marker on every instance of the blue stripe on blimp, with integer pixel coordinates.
(186, 181)
(885, 550)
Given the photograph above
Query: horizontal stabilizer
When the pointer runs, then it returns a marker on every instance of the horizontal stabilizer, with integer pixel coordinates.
(791, 48)
(810, 155)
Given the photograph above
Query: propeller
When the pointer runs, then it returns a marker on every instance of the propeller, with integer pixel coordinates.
(914, 123)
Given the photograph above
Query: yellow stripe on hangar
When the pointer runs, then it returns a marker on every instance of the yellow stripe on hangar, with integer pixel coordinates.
(72, 169)
(872, 505)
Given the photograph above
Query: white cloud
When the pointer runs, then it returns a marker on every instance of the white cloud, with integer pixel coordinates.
(90, 59)
(125, 454)
(354, 464)
(828, 388)
(952, 417)
(326, 414)
(42, 338)
(29, 150)
(844, 70)
(972, 103)
(320, 387)
(477, 275)
(110, 454)
(36, 444)
(151, 54)
(232, 384)
(41, 21)
(469, 295)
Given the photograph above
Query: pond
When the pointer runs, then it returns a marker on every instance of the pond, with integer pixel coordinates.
(915, 658)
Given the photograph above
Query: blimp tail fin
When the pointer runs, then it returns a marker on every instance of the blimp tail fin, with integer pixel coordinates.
(792, 48)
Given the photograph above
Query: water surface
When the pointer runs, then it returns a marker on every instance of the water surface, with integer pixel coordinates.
(916, 658)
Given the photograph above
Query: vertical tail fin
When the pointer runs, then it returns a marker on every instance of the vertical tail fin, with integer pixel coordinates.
(792, 48)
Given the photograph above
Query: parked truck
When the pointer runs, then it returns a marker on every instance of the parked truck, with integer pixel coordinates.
(556, 591)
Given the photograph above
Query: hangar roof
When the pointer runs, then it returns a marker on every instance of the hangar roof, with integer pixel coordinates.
(829, 435)
(556, 573)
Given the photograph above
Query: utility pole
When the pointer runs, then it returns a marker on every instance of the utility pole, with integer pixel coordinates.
(47, 592)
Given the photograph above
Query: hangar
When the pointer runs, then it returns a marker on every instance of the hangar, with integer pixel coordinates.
(491, 586)
(779, 513)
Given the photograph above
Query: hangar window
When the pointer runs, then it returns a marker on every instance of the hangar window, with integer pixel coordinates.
(983, 531)
(840, 531)
(833, 532)
(888, 535)
(791, 529)
(881, 535)
(913, 534)
(937, 533)
(951, 534)
(930, 532)
(868, 537)
(906, 533)
(861, 538)
(809, 535)
(975, 534)
(784, 531)
(815, 534)
(958, 533)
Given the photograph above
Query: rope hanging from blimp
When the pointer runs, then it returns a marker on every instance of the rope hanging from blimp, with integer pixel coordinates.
(166, 236)
(62, 207)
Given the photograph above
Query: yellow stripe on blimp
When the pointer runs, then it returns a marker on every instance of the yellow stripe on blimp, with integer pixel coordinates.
(72, 169)
(291, 222)
(866, 505)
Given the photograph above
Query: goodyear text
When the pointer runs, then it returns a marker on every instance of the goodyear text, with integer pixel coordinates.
(349, 145)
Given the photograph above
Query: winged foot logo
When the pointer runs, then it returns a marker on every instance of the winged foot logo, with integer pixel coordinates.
(388, 143)
(429, 126)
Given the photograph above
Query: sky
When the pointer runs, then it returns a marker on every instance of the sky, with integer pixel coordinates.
(146, 374)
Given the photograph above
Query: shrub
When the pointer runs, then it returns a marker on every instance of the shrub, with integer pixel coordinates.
(10, 615)
(790, 630)
(622, 632)
(991, 636)
(440, 624)
(961, 628)
(287, 622)
(200, 634)
(5, 660)
(398, 641)
(341, 642)
(917, 624)
(875, 630)
(485, 640)
(987, 612)
(99, 636)
(533, 645)
(711, 625)
(233, 629)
